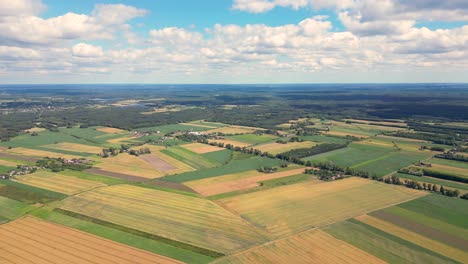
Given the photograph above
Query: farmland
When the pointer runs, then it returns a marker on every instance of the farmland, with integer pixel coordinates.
(310, 205)
(252, 138)
(11, 209)
(201, 148)
(276, 148)
(168, 215)
(309, 247)
(190, 158)
(58, 183)
(233, 130)
(36, 241)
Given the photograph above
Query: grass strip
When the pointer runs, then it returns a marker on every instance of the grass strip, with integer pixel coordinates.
(132, 231)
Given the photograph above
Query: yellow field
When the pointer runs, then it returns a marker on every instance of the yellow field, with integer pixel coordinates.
(119, 140)
(313, 246)
(236, 182)
(415, 238)
(201, 148)
(110, 130)
(136, 166)
(455, 170)
(8, 163)
(276, 148)
(75, 147)
(179, 217)
(39, 153)
(310, 205)
(233, 130)
(30, 240)
(232, 142)
(58, 183)
(35, 129)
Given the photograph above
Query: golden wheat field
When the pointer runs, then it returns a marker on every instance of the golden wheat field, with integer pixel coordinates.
(30, 240)
(75, 147)
(58, 183)
(39, 153)
(313, 246)
(310, 205)
(276, 148)
(200, 148)
(183, 218)
(110, 130)
(233, 130)
(415, 238)
(236, 182)
(232, 142)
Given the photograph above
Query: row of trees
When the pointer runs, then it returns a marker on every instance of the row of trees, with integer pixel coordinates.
(424, 186)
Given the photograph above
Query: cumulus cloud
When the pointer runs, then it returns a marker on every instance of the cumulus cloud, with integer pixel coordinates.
(21, 7)
(86, 50)
(32, 30)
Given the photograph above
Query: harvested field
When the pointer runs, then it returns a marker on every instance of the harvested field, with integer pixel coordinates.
(149, 166)
(276, 148)
(246, 180)
(158, 163)
(119, 140)
(233, 130)
(312, 246)
(232, 142)
(30, 240)
(415, 237)
(450, 169)
(17, 157)
(110, 130)
(117, 175)
(201, 148)
(39, 153)
(35, 129)
(190, 158)
(75, 147)
(58, 183)
(310, 205)
(3, 148)
(8, 163)
(187, 219)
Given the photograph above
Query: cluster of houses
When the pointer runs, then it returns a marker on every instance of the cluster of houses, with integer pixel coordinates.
(20, 170)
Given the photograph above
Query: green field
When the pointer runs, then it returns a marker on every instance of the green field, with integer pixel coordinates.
(446, 183)
(326, 139)
(11, 209)
(5, 169)
(28, 194)
(44, 138)
(352, 155)
(383, 245)
(252, 138)
(391, 162)
(123, 237)
(194, 160)
(221, 156)
(234, 166)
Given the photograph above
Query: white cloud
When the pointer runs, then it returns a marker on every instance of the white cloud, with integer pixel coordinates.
(116, 14)
(21, 7)
(86, 50)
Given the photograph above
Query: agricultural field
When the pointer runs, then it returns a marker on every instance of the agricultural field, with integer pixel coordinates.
(313, 246)
(253, 139)
(233, 130)
(110, 130)
(235, 143)
(11, 209)
(186, 219)
(75, 147)
(397, 123)
(30, 240)
(200, 148)
(58, 183)
(277, 148)
(311, 205)
(237, 181)
(427, 229)
(462, 187)
(190, 158)
(29, 152)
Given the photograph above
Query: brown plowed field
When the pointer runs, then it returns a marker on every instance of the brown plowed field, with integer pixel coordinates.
(31, 240)
(116, 175)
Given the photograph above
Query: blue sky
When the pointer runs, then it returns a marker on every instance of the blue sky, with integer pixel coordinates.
(235, 41)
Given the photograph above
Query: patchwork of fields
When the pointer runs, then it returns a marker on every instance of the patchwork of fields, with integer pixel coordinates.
(312, 205)
(186, 219)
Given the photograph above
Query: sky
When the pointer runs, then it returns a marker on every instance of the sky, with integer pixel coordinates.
(233, 41)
